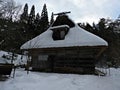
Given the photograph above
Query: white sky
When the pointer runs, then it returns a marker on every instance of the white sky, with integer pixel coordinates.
(81, 10)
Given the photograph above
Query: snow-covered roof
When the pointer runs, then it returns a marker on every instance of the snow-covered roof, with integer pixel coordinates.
(75, 37)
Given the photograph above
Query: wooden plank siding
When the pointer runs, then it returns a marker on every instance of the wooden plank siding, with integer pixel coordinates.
(70, 60)
(76, 50)
(74, 65)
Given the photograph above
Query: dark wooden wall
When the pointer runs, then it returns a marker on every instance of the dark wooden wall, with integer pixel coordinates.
(73, 64)
(69, 60)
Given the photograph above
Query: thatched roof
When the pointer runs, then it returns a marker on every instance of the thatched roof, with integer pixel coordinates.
(75, 37)
(63, 20)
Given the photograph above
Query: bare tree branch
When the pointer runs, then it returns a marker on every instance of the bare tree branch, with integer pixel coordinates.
(9, 9)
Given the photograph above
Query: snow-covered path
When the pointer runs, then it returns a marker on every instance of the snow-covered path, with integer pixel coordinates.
(50, 81)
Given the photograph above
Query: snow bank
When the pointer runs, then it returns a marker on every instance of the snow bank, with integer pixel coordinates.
(17, 61)
(51, 81)
(3, 53)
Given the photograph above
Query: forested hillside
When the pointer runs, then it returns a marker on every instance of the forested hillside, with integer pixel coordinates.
(17, 28)
(109, 30)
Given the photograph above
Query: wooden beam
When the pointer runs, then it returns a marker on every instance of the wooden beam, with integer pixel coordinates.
(66, 48)
(100, 52)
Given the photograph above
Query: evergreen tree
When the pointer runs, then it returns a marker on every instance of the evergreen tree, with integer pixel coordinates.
(37, 18)
(44, 19)
(88, 27)
(24, 15)
(52, 19)
(44, 11)
(82, 25)
(102, 24)
(23, 25)
(37, 24)
(32, 15)
(31, 24)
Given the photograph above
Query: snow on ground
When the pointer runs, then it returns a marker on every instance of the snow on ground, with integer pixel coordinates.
(2, 53)
(17, 61)
(52, 81)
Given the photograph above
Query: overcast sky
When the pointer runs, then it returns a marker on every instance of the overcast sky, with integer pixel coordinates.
(81, 10)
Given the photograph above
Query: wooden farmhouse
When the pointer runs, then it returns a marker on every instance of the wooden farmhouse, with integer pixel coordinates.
(65, 47)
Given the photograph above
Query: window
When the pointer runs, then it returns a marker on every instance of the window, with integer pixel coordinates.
(43, 57)
(62, 34)
(59, 32)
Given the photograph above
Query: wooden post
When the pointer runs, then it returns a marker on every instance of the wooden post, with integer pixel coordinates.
(14, 71)
(27, 66)
(100, 52)
(14, 67)
(109, 71)
(12, 58)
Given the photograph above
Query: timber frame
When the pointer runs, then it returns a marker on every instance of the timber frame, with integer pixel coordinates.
(80, 59)
(66, 58)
